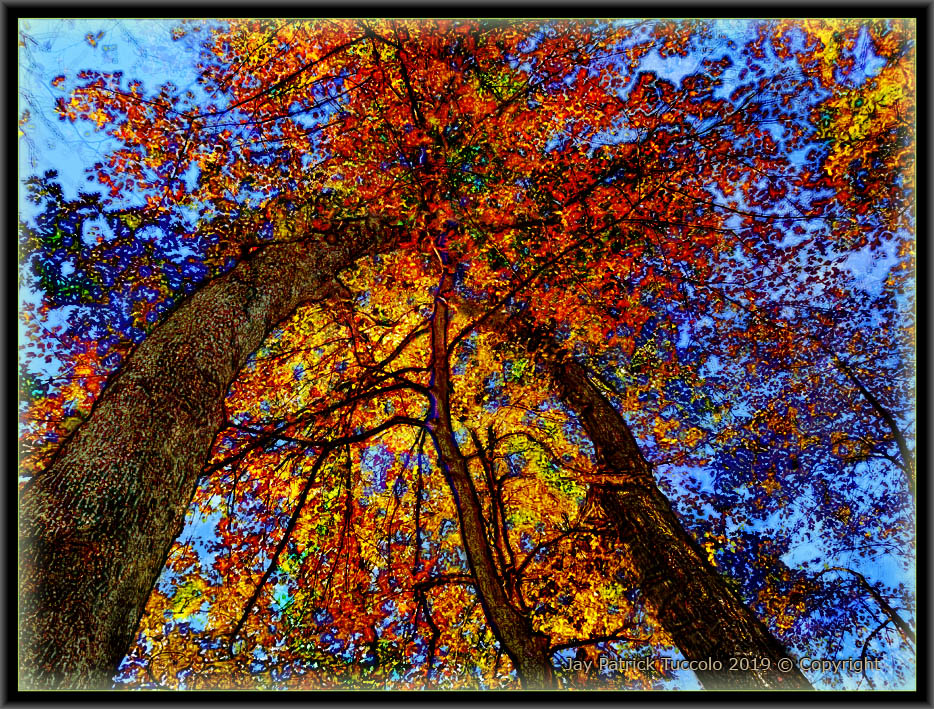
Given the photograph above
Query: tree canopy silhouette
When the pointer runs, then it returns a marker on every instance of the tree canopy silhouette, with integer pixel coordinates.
(467, 354)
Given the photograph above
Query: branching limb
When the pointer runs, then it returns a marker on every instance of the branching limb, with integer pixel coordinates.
(597, 639)
(274, 562)
(886, 607)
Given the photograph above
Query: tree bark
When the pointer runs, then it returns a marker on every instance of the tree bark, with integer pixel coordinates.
(528, 650)
(96, 525)
(692, 602)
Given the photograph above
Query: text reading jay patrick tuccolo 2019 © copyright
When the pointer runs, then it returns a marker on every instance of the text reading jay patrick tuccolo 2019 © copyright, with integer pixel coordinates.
(732, 664)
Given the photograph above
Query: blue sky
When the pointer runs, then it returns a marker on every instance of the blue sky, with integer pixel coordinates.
(53, 47)
(56, 47)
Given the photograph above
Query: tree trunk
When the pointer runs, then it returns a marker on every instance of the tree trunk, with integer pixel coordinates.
(702, 614)
(528, 650)
(96, 525)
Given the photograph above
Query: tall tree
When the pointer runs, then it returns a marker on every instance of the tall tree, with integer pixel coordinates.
(703, 615)
(578, 172)
(97, 522)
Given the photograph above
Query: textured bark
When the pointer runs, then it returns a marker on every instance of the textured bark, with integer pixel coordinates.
(528, 650)
(96, 525)
(692, 602)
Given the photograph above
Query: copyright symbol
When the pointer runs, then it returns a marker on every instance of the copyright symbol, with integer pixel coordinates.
(785, 664)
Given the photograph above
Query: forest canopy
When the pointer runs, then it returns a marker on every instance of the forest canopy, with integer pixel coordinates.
(442, 354)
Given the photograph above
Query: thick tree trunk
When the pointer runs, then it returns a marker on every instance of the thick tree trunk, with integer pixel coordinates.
(96, 525)
(528, 650)
(702, 614)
